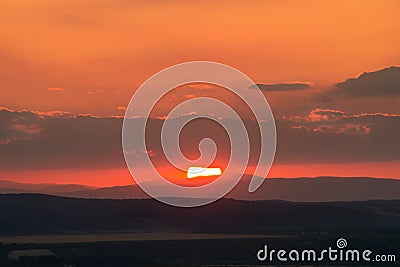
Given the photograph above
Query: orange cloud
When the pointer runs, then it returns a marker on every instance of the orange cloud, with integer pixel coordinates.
(55, 89)
(189, 96)
(96, 91)
(201, 86)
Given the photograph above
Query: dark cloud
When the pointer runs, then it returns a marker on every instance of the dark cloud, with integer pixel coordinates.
(384, 82)
(281, 86)
(326, 135)
(43, 140)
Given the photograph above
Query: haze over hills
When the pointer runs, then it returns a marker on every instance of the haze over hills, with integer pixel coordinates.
(44, 188)
(320, 189)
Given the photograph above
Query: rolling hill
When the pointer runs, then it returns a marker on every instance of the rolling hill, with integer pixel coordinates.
(42, 214)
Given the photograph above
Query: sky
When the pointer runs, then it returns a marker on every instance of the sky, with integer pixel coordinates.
(330, 71)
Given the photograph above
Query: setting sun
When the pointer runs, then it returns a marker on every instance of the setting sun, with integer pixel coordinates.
(194, 172)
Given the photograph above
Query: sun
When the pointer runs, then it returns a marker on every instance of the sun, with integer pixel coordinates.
(194, 172)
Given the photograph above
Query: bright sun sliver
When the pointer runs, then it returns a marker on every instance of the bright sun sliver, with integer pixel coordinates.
(200, 171)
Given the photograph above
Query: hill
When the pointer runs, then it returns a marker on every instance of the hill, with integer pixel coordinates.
(42, 214)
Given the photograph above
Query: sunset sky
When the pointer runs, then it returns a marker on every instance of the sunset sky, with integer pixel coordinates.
(69, 68)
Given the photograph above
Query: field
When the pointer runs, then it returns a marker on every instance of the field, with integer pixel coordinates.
(183, 249)
(94, 232)
(92, 238)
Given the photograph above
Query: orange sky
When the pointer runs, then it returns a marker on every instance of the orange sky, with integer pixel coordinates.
(99, 51)
(89, 56)
(113, 177)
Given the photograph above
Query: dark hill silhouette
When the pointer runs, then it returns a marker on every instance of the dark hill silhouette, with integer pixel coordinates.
(42, 214)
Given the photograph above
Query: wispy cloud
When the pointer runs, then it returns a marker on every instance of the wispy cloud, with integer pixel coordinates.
(96, 91)
(55, 89)
(189, 96)
(285, 86)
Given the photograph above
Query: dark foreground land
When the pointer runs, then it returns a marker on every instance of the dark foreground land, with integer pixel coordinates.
(84, 232)
(201, 252)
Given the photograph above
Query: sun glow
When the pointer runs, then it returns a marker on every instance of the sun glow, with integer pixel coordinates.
(194, 172)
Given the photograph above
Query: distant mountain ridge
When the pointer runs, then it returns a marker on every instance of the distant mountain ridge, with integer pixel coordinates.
(44, 188)
(319, 189)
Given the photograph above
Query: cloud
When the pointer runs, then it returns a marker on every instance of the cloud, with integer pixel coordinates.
(55, 89)
(319, 114)
(41, 140)
(384, 82)
(332, 136)
(51, 140)
(39, 114)
(289, 86)
(16, 128)
(201, 86)
(19, 132)
(151, 153)
(96, 91)
(319, 119)
(189, 96)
